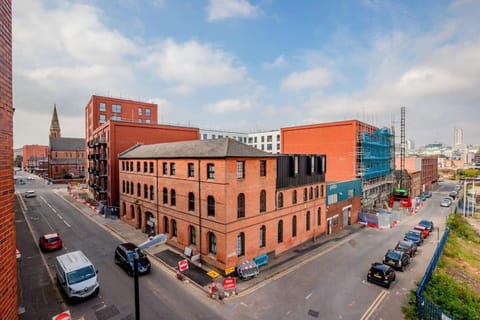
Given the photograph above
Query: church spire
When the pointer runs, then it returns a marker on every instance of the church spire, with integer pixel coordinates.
(55, 125)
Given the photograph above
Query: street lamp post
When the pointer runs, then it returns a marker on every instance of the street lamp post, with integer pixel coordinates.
(135, 279)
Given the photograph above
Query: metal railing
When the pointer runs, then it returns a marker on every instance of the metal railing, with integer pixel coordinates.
(425, 308)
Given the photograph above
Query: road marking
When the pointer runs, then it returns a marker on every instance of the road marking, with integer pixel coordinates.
(58, 215)
(309, 295)
(375, 304)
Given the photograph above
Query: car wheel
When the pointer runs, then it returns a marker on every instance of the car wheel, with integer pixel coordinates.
(388, 285)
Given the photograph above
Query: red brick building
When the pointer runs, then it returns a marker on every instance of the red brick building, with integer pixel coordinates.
(8, 263)
(32, 156)
(66, 156)
(113, 126)
(428, 166)
(226, 201)
(354, 150)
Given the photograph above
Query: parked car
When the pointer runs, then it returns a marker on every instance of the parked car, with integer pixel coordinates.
(381, 274)
(397, 259)
(124, 256)
(50, 242)
(424, 231)
(30, 194)
(427, 224)
(415, 236)
(406, 246)
(446, 202)
(453, 194)
(427, 194)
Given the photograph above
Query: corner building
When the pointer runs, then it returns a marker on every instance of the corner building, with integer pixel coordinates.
(224, 200)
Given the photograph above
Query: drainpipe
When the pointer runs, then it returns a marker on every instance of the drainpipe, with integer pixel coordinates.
(199, 211)
(158, 195)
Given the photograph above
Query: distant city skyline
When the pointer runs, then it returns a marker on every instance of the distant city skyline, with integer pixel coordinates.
(245, 65)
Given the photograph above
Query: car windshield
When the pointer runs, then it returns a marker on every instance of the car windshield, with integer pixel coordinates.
(392, 255)
(413, 234)
(141, 255)
(403, 245)
(425, 223)
(53, 239)
(80, 275)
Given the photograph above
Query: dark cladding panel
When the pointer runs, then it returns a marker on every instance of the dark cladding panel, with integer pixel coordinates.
(299, 169)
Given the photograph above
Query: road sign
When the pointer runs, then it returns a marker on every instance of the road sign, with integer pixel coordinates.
(183, 265)
(229, 283)
(63, 316)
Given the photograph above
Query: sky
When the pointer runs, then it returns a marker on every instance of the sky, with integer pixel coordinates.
(251, 65)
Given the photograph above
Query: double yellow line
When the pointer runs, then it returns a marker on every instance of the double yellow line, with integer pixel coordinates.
(375, 305)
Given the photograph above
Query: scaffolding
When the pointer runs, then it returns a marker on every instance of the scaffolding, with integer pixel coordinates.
(375, 156)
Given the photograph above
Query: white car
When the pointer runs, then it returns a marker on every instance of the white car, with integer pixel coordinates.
(446, 202)
(30, 194)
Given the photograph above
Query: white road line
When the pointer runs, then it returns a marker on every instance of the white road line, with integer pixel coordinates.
(371, 309)
(58, 215)
(309, 295)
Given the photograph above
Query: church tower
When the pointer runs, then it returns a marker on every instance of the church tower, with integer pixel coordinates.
(55, 125)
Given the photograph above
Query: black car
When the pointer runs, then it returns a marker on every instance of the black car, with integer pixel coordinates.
(406, 246)
(124, 257)
(427, 224)
(415, 236)
(381, 274)
(397, 259)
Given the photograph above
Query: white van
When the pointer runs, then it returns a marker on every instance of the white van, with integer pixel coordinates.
(76, 275)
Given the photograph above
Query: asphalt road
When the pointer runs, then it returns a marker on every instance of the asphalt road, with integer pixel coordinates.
(161, 295)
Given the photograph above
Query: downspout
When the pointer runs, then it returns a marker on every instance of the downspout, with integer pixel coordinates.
(200, 211)
(158, 195)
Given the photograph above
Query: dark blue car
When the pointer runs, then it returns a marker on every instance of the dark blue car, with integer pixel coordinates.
(415, 236)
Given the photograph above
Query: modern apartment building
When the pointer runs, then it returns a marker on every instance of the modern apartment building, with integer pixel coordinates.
(8, 262)
(354, 150)
(225, 201)
(268, 141)
(113, 126)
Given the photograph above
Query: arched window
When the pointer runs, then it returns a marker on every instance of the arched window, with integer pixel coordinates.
(191, 201)
(304, 194)
(263, 236)
(241, 244)
(145, 166)
(165, 225)
(280, 231)
(131, 187)
(123, 186)
(131, 165)
(310, 194)
(139, 190)
(241, 206)
(174, 228)
(128, 187)
(145, 191)
(294, 226)
(263, 201)
(151, 193)
(307, 221)
(280, 200)
(316, 192)
(211, 206)
(294, 196)
(319, 216)
(212, 243)
(165, 196)
(321, 191)
(151, 167)
(193, 235)
(173, 198)
(138, 166)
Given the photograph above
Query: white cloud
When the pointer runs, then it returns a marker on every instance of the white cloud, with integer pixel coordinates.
(191, 64)
(311, 79)
(229, 105)
(224, 9)
(277, 63)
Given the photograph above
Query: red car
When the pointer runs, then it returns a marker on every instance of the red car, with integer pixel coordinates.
(50, 242)
(423, 230)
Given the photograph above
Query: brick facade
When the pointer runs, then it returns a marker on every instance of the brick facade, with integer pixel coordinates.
(33, 155)
(8, 263)
(188, 207)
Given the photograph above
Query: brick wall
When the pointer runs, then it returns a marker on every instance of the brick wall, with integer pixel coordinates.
(8, 264)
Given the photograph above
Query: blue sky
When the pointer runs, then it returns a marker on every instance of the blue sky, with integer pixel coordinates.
(239, 65)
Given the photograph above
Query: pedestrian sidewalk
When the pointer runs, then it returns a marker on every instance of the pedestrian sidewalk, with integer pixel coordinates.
(197, 274)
